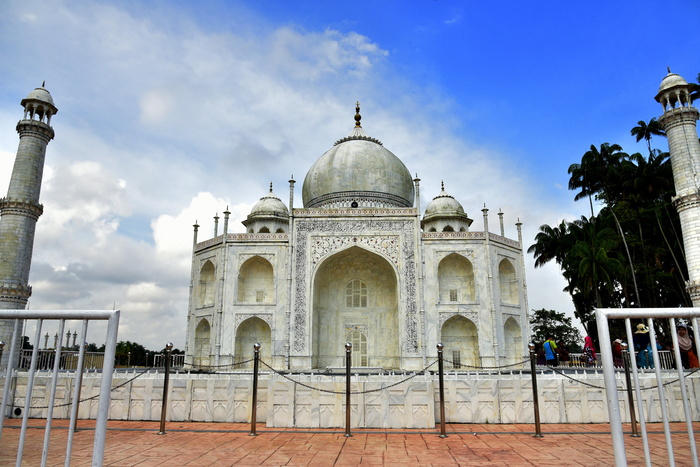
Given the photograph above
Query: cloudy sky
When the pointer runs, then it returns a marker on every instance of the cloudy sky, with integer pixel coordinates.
(171, 111)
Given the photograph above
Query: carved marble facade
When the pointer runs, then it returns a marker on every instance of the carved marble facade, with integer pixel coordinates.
(358, 263)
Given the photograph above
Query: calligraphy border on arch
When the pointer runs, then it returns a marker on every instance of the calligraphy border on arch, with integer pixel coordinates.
(505, 316)
(354, 229)
(473, 316)
(240, 317)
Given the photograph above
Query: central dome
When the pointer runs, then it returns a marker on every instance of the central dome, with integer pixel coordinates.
(358, 172)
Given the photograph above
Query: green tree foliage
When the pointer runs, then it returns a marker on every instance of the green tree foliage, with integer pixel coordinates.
(130, 353)
(546, 323)
(630, 253)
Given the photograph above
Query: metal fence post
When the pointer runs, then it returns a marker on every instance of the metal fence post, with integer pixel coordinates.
(164, 407)
(253, 413)
(625, 358)
(535, 396)
(2, 347)
(442, 392)
(348, 363)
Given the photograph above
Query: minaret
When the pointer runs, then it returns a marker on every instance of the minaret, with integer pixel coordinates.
(20, 209)
(679, 122)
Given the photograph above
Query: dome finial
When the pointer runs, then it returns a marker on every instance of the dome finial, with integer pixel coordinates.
(442, 184)
(669, 69)
(358, 117)
(43, 84)
(270, 187)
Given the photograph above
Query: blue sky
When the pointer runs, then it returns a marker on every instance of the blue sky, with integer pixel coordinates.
(170, 111)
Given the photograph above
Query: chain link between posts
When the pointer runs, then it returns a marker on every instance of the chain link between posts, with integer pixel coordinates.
(411, 376)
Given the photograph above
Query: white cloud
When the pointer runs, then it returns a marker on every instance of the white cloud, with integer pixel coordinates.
(162, 123)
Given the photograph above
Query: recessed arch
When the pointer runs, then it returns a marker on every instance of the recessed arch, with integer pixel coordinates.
(202, 348)
(256, 281)
(460, 339)
(508, 282)
(456, 279)
(448, 228)
(513, 345)
(264, 230)
(207, 284)
(333, 319)
(253, 331)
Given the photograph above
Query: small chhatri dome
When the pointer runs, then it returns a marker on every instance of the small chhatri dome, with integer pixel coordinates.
(358, 172)
(41, 95)
(671, 80)
(443, 205)
(269, 205)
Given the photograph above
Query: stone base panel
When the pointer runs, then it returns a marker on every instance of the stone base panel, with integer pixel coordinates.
(319, 401)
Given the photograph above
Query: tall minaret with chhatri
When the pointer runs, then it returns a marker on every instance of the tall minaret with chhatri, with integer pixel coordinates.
(20, 209)
(679, 121)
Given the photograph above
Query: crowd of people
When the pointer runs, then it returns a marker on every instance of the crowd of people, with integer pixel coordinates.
(552, 353)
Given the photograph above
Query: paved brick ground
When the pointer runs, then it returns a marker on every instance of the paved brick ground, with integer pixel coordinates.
(227, 444)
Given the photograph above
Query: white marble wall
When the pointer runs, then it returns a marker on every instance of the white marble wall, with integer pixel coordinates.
(413, 403)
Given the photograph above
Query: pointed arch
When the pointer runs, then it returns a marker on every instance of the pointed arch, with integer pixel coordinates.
(256, 281)
(456, 279)
(513, 345)
(355, 289)
(202, 347)
(508, 282)
(461, 342)
(207, 284)
(250, 332)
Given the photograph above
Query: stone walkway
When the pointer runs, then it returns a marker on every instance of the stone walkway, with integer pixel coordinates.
(227, 444)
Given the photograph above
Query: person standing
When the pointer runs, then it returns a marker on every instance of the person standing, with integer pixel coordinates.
(686, 344)
(550, 351)
(589, 352)
(642, 344)
(617, 353)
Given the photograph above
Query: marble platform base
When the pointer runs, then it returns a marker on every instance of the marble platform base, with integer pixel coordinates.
(388, 401)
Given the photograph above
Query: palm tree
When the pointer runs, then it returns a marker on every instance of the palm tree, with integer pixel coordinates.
(645, 131)
(597, 268)
(551, 243)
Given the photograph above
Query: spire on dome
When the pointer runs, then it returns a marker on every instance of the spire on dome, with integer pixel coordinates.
(358, 117)
(270, 187)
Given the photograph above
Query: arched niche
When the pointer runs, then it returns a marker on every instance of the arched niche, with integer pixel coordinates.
(250, 332)
(256, 281)
(207, 284)
(508, 282)
(513, 345)
(336, 318)
(460, 339)
(456, 279)
(202, 348)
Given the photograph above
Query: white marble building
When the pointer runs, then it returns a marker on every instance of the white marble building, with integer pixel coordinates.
(357, 264)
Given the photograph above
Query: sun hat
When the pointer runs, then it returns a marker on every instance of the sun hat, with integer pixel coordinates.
(641, 329)
(682, 325)
(617, 341)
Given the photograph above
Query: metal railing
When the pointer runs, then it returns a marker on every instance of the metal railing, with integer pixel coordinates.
(68, 361)
(112, 318)
(611, 390)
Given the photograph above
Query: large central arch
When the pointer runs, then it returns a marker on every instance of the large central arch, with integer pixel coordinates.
(355, 299)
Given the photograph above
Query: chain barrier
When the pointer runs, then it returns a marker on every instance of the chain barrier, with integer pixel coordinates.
(96, 395)
(229, 366)
(308, 386)
(668, 383)
(462, 365)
